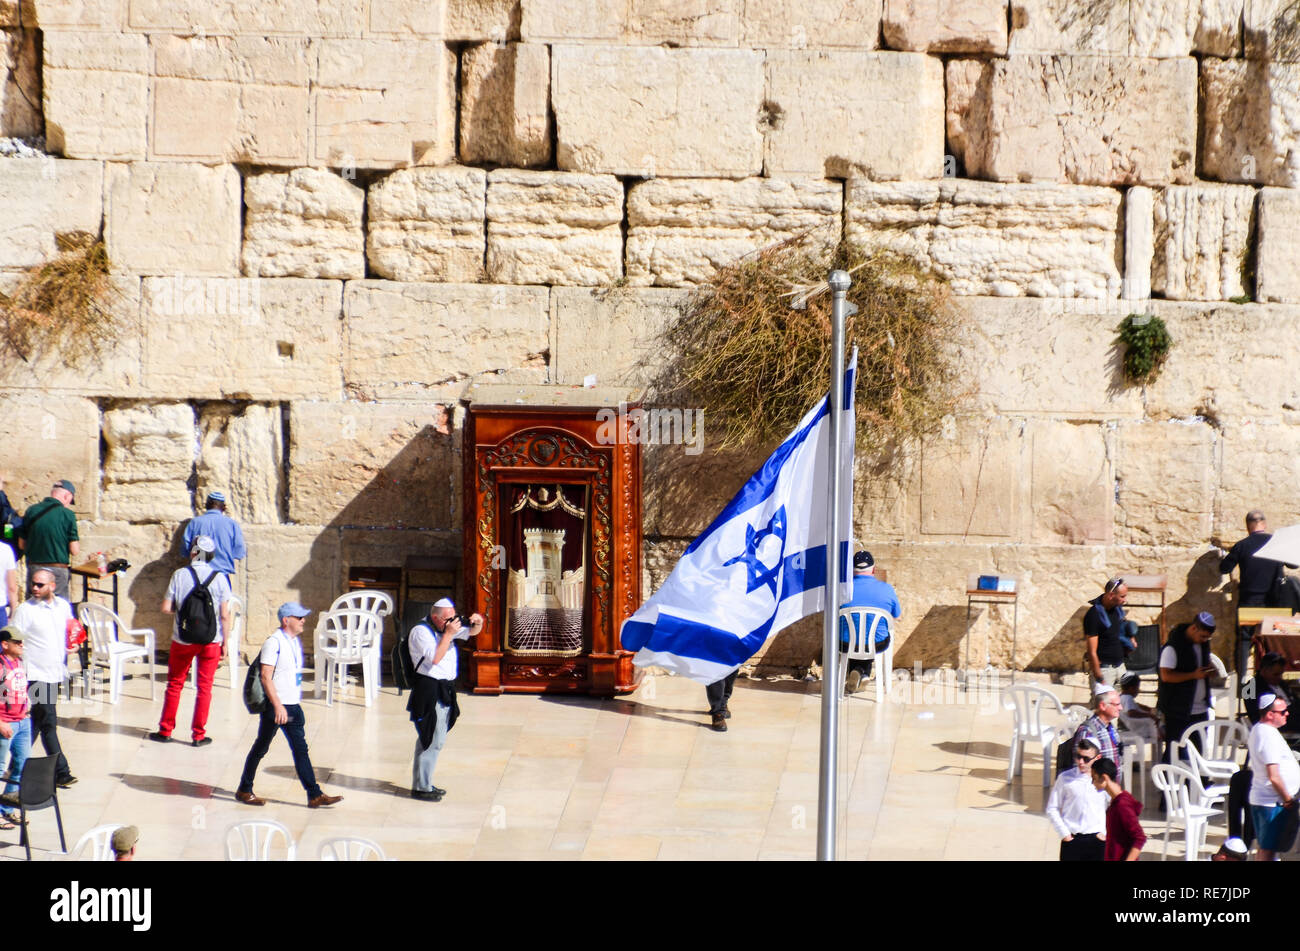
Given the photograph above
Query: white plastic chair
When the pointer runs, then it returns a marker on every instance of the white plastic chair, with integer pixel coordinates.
(253, 839)
(862, 624)
(1182, 791)
(1222, 741)
(378, 603)
(107, 650)
(1140, 750)
(350, 848)
(98, 841)
(1027, 703)
(232, 645)
(343, 638)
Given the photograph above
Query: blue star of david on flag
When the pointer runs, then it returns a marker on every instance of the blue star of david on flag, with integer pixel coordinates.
(759, 573)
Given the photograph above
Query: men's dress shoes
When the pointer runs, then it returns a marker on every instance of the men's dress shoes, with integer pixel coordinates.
(726, 712)
(160, 737)
(323, 800)
(720, 723)
(248, 799)
(65, 782)
(10, 799)
(203, 742)
(432, 795)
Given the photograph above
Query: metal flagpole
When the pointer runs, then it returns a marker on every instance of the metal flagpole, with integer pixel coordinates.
(828, 772)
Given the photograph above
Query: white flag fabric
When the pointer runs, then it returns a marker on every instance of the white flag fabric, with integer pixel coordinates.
(761, 565)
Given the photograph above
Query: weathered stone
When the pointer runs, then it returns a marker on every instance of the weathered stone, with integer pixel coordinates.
(242, 339)
(1251, 113)
(304, 223)
(1083, 119)
(383, 103)
(941, 26)
(685, 492)
(108, 15)
(1059, 26)
(1277, 254)
(1130, 27)
(827, 110)
(680, 232)
(970, 479)
(150, 459)
(153, 551)
(59, 439)
(1038, 240)
(241, 453)
(417, 341)
(407, 18)
(1139, 242)
(505, 105)
(20, 84)
(42, 198)
(9, 14)
(1271, 30)
(227, 17)
(96, 94)
(1163, 493)
(1202, 233)
(610, 334)
(231, 99)
(684, 22)
(1071, 483)
(287, 563)
(376, 464)
(1257, 471)
(427, 224)
(495, 20)
(583, 20)
(653, 111)
(172, 218)
(885, 487)
(816, 24)
(554, 228)
(966, 82)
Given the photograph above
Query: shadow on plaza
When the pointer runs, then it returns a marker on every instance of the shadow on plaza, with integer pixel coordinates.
(333, 777)
(170, 786)
(632, 708)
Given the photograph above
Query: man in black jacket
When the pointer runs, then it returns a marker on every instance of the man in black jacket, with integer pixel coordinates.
(432, 705)
(1184, 694)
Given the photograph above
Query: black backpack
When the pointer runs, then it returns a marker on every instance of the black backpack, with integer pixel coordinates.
(254, 693)
(197, 619)
(403, 667)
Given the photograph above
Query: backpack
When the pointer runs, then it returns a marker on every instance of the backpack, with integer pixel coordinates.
(403, 667)
(254, 693)
(197, 619)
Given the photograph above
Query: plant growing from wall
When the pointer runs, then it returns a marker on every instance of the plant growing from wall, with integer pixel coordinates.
(1146, 343)
(757, 365)
(62, 306)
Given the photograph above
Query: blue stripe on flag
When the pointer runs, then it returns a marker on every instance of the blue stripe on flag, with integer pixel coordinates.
(675, 635)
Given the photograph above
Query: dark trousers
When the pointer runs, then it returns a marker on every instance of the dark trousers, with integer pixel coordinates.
(45, 724)
(719, 692)
(1085, 847)
(295, 732)
(1240, 823)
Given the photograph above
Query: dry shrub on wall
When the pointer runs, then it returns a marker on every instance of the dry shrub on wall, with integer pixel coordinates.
(62, 306)
(757, 365)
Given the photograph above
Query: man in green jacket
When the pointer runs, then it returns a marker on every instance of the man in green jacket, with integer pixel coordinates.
(48, 536)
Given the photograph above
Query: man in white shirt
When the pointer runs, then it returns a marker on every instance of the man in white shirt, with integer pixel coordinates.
(281, 661)
(1275, 782)
(1077, 809)
(432, 705)
(43, 618)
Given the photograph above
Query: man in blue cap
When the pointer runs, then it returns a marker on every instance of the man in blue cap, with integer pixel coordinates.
(281, 661)
(1184, 694)
(224, 532)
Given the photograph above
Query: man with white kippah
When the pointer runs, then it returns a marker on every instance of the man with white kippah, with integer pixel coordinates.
(1100, 728)
(1275, 782)
(433, 706)
(224, 532)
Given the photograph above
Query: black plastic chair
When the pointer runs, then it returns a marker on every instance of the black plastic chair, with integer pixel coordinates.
(1145, 658)
(36, 790)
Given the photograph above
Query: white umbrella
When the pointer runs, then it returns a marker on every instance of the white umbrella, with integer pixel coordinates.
(1284, 546)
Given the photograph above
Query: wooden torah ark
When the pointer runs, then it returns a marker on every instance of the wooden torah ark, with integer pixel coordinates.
(513, 456)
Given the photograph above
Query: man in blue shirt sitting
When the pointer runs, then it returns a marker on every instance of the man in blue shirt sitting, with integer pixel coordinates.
(868, 592)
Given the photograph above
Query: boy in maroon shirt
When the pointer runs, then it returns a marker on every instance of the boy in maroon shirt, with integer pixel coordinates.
(1124, 835)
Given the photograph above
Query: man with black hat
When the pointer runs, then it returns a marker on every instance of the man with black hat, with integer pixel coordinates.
(868, 592)
(224, 532)
(48, 535)
(432, 705)
(1184, 695)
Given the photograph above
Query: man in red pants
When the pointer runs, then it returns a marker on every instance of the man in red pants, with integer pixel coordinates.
(194, 635)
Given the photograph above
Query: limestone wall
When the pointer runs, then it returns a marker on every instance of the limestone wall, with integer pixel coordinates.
(328, 219)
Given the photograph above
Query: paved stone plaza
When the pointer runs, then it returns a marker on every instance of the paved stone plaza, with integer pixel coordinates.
(641, 777)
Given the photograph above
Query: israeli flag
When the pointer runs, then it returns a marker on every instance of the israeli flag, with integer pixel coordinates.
(761, 565)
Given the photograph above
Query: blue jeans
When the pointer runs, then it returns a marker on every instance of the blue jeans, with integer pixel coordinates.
(295, 732)
(16, 748)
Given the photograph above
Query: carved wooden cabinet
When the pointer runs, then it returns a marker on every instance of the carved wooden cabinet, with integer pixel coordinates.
(552, 539)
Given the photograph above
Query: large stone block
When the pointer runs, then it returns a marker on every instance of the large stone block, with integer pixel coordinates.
(1202, 236)
(1256, 471)
(383, 103)
(59, 436)
(1058, 26)
(20, 84)
(653, 111)
(474, 20)
(1271, 30)
(303, 223)
(1038, 240)
(1251, 115)
(231, 99)
(371, 464)
(1277, 254)
(42, 198)
(941, 26)
(1129, 27)
(684, 22)
(286, 563)
(241, 453)
(153, 551)
(1139, 242)
(242, 339)
(684, 492)
(414, 341)
(816, 24)
(826, 111)
(583, 20)
(554, 228)
(9, 14)
(1071, 483)
(407, 18)
(104, 15)
(96, 93)
(172, 218)
(505, 93)
(427, 224)
(971, 479)
(226, 17)
(150, 459)
(1163, 483)
(1084, 119)
(966, 83)
(680, 232)
(612, 335)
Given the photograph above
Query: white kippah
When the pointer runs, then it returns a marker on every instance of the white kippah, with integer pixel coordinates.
(1101, 690)
(1266, 701)
(444, 603)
